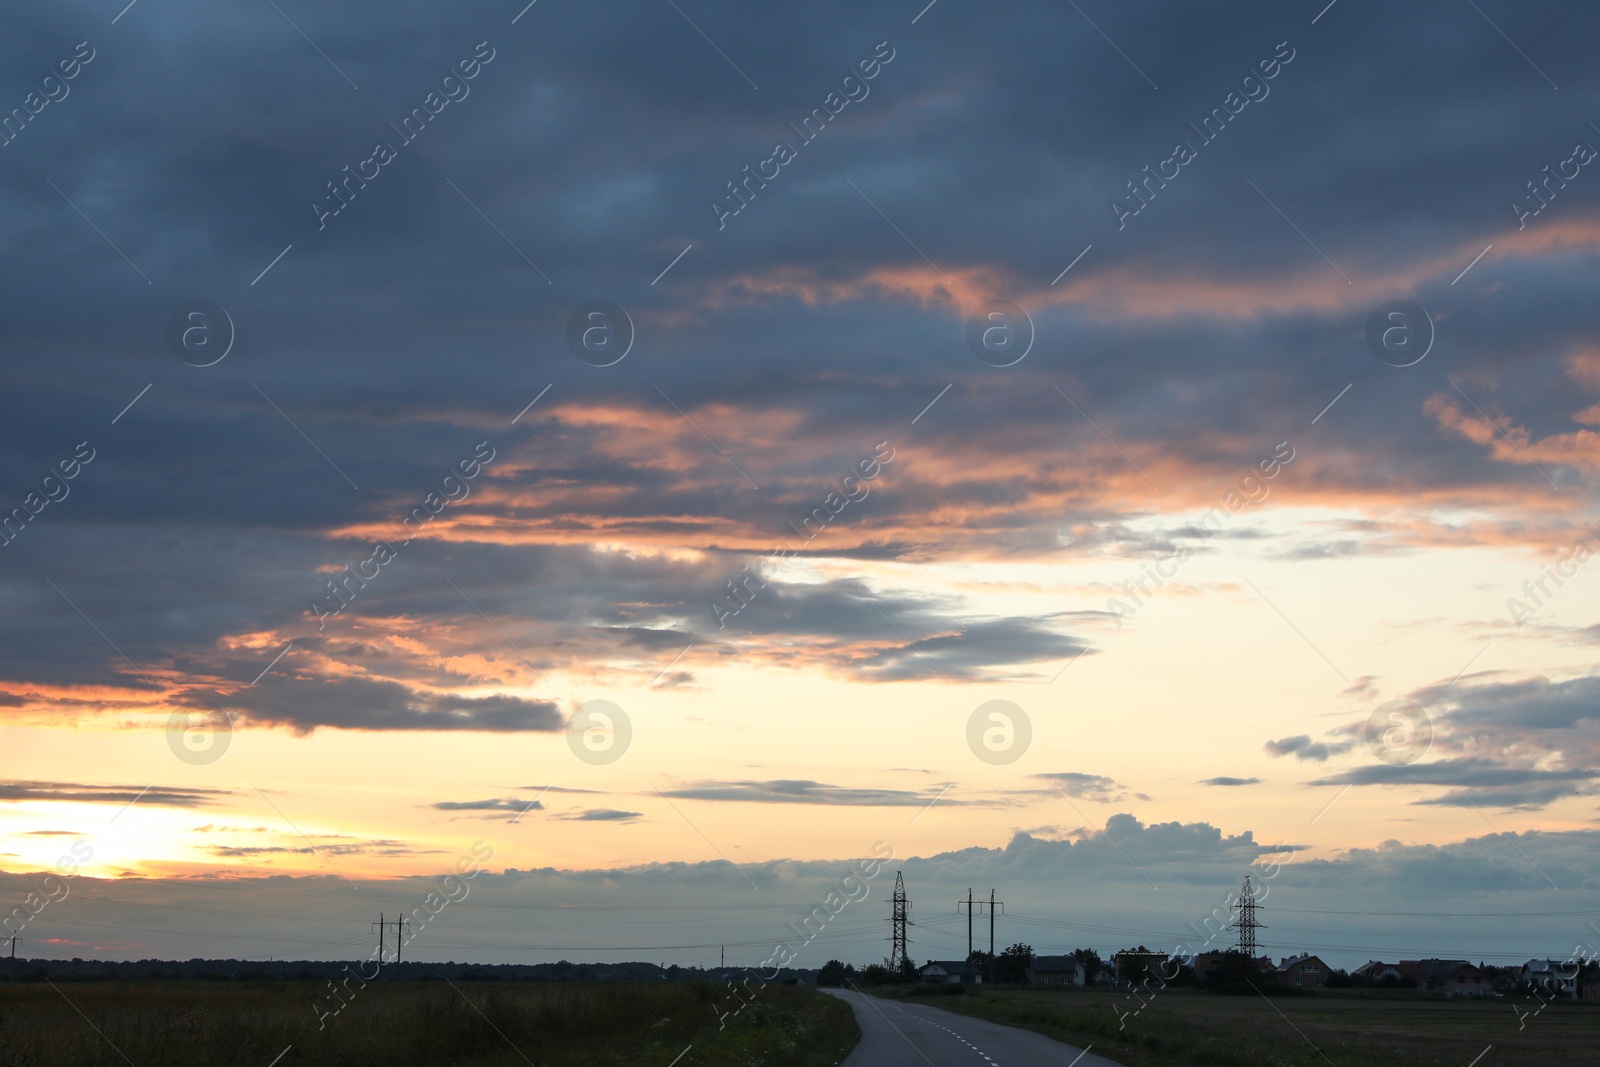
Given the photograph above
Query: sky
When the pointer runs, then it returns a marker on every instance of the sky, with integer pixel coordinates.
(655, 455)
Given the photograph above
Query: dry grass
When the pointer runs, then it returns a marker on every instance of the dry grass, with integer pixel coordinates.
(399, 1024)
(1335, 1028)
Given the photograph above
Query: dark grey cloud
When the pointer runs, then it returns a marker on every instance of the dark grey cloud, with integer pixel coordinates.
(1519, 743)
(1223, 779)
(1388, 900)
(600, 815)
(408, 329)
(802, 791)
(493, 804)
(630, 614)
(1301, 747)
(1518, 796)
(376, 847)
(1536, 704)
(122, 795)
(1095, 787)
(1457, 772)
(971, 654)
(1476, 782)
(304, 704)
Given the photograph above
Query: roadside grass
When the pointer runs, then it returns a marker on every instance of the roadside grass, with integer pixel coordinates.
(1325, 1029)
(401, 1024)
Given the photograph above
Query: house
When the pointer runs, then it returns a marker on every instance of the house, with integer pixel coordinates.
(1467, 981)
(1552, 977)
(1414, 972)
(1303, 972)
(1135, 964)
(1430, 973)
(1105, 976)
(1055, 972)
(1205, 965)
(952, 972)
(1379, 973)
(1208, 964)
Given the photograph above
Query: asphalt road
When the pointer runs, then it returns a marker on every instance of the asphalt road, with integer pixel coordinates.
(895, 1034)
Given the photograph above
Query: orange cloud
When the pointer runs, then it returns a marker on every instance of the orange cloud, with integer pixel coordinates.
(1510, 443)
(1151, 290)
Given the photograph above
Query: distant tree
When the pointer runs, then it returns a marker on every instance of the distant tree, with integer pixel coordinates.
(878, 974)
(889, 973)
(1234, 972)
(1012, 964)
(1174, 971)
(831, 974)
(1092, 963)
(1339, 979)
(1138, 964)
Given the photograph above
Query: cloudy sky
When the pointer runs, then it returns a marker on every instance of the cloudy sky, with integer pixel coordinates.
(682, 445)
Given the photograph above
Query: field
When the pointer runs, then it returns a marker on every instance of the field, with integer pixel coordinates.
(400, 1024)
(1185, 1026)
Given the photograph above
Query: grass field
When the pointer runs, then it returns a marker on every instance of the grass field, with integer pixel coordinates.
(401, 1024)
(1185, 1026)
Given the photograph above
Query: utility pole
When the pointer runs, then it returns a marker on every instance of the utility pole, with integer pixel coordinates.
(381, 925)
(399, 929)
(968, 904)
(13, 946)
(1246, 923)
(900, 916)
(724, 958)
(993, 904)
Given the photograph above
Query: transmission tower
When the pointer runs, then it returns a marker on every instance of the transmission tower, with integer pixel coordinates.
(1246, 924)
(900, 916)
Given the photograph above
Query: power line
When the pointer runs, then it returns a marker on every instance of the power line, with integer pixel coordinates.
(1446, 914)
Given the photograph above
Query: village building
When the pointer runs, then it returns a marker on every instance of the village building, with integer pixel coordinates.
(1055, 972)
(1303, 972)
(952, 972)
